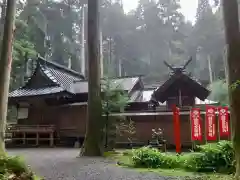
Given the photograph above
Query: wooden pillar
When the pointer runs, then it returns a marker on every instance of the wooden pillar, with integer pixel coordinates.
(51, 139)
(24, 138)
(193, 142)
(218, 128)
(37, 139)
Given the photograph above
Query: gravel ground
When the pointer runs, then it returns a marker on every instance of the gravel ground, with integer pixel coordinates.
(63, 164)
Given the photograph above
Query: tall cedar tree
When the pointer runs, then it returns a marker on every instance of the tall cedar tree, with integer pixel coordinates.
(203, 8)
(5, 67)
(231, 20)
(93, 144)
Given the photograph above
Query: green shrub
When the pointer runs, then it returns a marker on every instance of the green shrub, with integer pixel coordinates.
(16, 165)
(218, 157)
(146, 157)
(210, 177)
(15, 168)
(12, 164)
(152, 158)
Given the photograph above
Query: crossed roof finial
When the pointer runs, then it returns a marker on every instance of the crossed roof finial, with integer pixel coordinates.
(178, 69)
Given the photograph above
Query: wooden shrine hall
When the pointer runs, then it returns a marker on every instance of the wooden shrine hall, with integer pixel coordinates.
(52, 105)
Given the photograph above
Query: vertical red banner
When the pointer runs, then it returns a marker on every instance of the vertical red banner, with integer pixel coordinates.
(211, 123)
(177, 133)
(223, 121)
(196, 124)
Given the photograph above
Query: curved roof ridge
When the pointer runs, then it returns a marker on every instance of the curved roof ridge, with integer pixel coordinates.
(60, 67)
(48, 74)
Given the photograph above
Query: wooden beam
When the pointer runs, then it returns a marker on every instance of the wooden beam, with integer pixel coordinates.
(152, 113)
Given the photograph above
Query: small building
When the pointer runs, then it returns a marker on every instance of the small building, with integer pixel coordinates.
(52, 105)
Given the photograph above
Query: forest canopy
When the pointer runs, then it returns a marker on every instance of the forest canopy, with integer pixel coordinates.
(136, 43)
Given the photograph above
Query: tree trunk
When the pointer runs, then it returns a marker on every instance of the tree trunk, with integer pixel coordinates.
(225, 64)
(3, 15)
(230, 10)
(5, 68)
(93, 144)
(210, 69)
(101, 55)
(83, 69)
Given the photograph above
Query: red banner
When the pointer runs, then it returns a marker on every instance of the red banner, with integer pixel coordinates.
(196, 124)
(223, 121)
(177, 133)
(211, 123)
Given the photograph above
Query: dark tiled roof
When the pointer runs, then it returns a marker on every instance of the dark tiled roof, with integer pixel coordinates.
(61, 76)
(35, 92)
(126, 83)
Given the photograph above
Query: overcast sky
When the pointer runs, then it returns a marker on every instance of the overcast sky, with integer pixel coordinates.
(188, 7)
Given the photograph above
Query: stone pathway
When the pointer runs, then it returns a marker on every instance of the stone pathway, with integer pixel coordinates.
(63, 164)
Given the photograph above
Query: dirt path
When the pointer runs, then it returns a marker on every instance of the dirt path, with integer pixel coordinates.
(63, 164)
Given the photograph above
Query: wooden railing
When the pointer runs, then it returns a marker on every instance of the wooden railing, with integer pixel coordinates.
(24, 133)
(31, 128)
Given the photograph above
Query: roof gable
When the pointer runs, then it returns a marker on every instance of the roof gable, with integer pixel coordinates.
(161, 93)
(60, 75)
(38, 80)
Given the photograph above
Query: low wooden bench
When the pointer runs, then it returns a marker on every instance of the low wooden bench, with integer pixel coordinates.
(159, 144)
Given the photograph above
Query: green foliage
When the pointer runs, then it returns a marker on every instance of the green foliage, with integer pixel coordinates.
(209, 177)
(153, 32)
(114, 97)
(206, 41)
(147, 157)
(54, 27)
(12, 164)
(114, 100)
(14, 168)
(219, 92)
(218, 157)
(235, 85)
(22, 47)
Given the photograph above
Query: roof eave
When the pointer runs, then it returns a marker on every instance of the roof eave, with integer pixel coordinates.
(39, 95)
